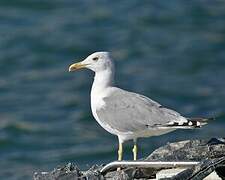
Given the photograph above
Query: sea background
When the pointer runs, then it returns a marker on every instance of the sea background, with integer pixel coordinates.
(171, 51)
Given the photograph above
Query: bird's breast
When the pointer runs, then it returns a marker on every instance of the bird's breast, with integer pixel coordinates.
(97, 102)
(97, 97)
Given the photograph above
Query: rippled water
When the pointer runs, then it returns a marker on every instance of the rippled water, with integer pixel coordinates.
(171, 51)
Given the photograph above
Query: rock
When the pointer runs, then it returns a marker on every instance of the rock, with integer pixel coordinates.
(66, 172)
(168, 173)
(210, 154)
(190, 150)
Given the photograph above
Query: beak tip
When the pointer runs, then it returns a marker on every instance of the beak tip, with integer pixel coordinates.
(72, 68)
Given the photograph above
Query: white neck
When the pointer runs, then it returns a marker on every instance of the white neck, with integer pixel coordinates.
(102, 80)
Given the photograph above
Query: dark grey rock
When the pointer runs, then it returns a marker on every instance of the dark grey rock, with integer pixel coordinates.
(67, 172)
(201, 170)
(210, 153)
(191, 150)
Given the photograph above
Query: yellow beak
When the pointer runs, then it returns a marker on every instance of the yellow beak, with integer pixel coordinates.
(76, 66)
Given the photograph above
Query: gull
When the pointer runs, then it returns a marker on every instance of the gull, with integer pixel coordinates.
(125, 114)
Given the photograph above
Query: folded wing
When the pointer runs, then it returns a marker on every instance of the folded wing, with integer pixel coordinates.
(130, 112)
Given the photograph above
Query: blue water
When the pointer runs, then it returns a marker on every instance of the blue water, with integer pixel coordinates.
(171, 51)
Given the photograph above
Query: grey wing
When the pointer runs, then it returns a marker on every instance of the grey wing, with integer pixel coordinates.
(126, 111)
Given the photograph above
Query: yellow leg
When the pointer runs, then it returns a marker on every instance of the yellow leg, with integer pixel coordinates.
(135, 150)
(120, 152)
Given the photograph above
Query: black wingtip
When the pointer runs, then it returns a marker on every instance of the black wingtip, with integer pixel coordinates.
(202, 119)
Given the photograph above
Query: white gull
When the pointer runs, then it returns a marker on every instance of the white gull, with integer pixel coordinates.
(126, 114)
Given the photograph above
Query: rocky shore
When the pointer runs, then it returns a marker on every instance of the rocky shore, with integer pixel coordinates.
(209, 155)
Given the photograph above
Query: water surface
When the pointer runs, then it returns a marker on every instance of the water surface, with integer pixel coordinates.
(170, 51)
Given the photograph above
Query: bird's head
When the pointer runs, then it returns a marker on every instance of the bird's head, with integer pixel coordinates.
(98, 61)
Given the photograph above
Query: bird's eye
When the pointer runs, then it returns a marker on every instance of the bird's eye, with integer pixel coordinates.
(95, 58)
